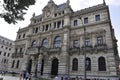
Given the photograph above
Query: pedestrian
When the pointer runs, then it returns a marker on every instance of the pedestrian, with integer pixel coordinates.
(21, 76)
(56, 78)
(27, 76)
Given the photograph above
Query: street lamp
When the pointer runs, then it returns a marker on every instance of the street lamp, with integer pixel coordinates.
(37, 64)
(84, 51)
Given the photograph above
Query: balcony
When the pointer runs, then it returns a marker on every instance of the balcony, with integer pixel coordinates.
(100, 47)
(17, 55)
(54, 50)
(74, 50)
(88, 48)
(32, 50)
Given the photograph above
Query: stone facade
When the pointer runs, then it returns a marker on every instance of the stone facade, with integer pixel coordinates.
(6, 50)
(55, 43)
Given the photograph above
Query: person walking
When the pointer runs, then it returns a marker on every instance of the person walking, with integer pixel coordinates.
(21, 76)
(27, 76)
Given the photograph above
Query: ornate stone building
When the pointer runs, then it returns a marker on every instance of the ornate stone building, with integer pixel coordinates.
(6, 50)
(55, 43)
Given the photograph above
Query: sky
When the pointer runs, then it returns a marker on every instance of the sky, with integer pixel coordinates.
(10, 31)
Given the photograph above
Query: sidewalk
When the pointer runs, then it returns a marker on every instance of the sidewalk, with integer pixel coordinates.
(6, 77)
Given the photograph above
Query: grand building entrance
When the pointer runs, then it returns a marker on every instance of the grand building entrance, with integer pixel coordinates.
(54, 69)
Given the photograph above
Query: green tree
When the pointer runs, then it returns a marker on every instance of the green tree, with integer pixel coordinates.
(14, 10)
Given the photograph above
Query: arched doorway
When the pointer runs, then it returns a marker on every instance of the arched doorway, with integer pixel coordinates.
(29, 66)
(54, 68)
(42, 67)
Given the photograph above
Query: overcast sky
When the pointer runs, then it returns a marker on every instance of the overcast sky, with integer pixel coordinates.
(9, 31)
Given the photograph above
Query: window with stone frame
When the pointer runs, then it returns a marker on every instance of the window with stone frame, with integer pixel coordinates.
(101, 64)
(17, 65)
(45, 43)
(8, 54)
(75, 22)
(21, 50)
(57, 41)
(75, 64)
(75, 43)
(0, 52)
(54, 25)
(97, 17)
(19, 36)
(13, 63)
(86, 20)
(100, 40)
(24, 35)
(4, 53)
(47, 27)
(87, 42)
(58, 24)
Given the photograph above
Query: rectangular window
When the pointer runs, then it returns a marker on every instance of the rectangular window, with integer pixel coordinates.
(0, 52)
(54, 25)
(86, 20)
(75, 22)
(43, 28)
(20, 49)
(99, 40)
(4, 53)
(16, 50)
(75, 43)
(36, 30)
(97, 17)
(87, 42)
(58, 24)
(46, 29)
(23, 35)
(62, 23)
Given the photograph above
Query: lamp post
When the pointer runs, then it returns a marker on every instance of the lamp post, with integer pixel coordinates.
(84, 51)
(37, 64)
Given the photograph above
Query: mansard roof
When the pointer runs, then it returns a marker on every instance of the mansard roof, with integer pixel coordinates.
(61, 6)
(90, 9)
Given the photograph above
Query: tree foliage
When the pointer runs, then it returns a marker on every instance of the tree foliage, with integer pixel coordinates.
(14, 10)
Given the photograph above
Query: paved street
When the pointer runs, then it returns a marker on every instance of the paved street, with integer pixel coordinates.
(9, 77)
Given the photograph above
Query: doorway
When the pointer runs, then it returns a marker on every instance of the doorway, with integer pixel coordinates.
(54, 68)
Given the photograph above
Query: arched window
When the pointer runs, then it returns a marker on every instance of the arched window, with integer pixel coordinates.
(34, 43)
(17, 65)
(45, 43)
(57, 41)
(75, 64)
(88, 64)
(101, 64)
(13, 64)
